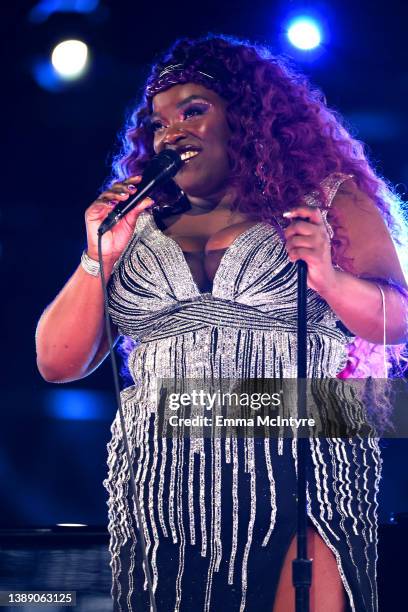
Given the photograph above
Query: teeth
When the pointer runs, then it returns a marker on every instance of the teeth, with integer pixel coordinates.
(188, 155)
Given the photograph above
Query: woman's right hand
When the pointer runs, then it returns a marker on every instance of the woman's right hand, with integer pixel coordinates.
(115, 240)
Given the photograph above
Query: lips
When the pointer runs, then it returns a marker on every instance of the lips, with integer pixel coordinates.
(187, 155)
(188, 152)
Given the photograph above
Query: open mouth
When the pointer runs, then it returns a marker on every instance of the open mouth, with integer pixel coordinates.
(186, 156)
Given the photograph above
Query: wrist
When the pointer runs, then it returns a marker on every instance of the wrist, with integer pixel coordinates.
(108, 260)
(90, 264)
(331, 284)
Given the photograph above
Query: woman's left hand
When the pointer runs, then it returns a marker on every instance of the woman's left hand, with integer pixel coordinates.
(307, 239)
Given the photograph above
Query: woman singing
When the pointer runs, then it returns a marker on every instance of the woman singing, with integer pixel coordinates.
(207, 289)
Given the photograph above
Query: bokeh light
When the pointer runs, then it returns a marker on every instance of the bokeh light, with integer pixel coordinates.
(304, 33)
(69, 58)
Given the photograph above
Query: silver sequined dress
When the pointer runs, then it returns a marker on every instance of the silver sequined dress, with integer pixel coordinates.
(218, 515)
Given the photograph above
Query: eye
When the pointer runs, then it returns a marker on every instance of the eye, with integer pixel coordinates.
(195, 110)
(155, 126)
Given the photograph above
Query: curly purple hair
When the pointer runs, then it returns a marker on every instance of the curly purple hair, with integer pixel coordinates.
(285, 140)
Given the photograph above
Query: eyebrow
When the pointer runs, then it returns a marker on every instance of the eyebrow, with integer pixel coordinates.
(182, 103)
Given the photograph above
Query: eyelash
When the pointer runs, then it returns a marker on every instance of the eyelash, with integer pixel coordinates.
(197, 109)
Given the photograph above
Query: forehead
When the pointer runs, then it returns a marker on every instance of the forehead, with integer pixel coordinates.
(169, 99)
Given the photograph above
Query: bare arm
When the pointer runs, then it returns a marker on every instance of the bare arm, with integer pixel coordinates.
(364, 250)
(364, 314)
(71, 339)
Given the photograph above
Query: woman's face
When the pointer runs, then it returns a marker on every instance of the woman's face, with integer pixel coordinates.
(191, 119)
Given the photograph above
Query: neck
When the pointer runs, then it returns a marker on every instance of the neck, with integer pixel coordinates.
(217, 201)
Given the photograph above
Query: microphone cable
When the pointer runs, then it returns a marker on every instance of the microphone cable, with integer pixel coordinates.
(153, 607)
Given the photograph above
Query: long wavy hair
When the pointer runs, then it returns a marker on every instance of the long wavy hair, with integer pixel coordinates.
(285, 141)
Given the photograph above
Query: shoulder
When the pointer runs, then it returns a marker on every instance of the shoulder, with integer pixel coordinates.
(350, 198)
(356, 213)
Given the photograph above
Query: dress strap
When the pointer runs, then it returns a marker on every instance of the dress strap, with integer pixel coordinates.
(329, 186)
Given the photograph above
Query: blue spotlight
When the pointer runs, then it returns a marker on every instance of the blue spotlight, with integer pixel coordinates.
(46, 76)
(78, 405)
(45, 8)
(304, 33)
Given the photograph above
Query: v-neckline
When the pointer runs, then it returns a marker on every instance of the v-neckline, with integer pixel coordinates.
(223, 259)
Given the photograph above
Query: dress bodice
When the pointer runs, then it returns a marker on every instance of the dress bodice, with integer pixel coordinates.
(152, 290)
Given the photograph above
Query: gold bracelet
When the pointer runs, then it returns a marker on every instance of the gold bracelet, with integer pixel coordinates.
(90, 266)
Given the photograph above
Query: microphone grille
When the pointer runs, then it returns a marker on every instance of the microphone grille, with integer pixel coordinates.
(171, 159)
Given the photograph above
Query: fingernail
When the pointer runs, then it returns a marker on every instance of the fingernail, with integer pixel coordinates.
(131, 188)
(123, 193)
(287, 213)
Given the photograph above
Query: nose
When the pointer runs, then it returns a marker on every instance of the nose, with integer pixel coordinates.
(169, 137)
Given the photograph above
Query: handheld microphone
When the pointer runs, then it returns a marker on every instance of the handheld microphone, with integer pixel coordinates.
(162, 167)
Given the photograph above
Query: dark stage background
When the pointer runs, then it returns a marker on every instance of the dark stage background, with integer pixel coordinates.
(57, 148)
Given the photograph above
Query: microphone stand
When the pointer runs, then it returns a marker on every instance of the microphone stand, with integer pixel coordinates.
(302, 566)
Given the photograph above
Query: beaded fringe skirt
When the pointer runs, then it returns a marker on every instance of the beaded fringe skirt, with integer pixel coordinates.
(218, 514)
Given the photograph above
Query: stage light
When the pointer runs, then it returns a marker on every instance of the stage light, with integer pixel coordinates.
(78, 404)
(304, 33)
(45, 8)
(69, 58)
